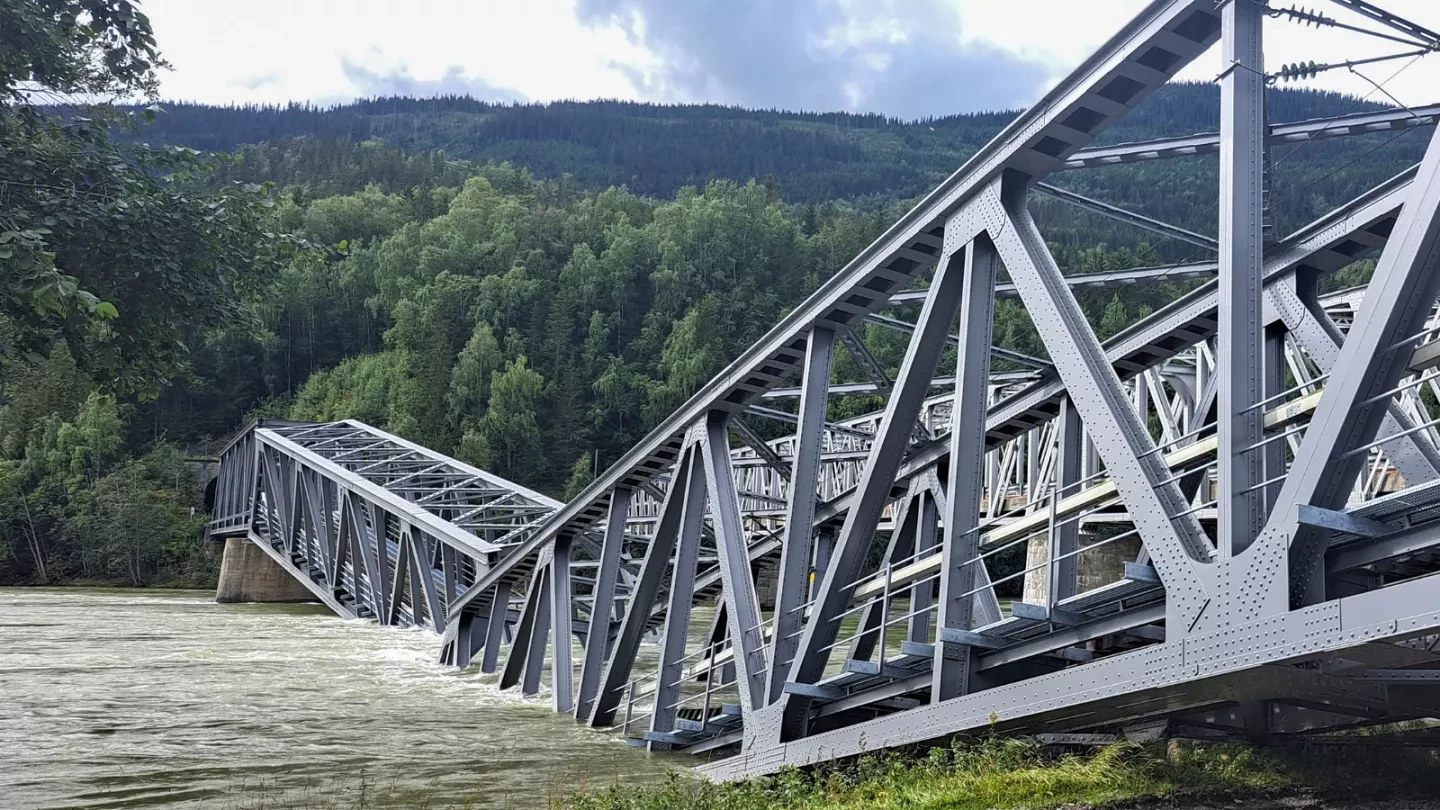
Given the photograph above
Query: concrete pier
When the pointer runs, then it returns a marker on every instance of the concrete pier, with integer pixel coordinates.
(1095, 567)
(247, 574)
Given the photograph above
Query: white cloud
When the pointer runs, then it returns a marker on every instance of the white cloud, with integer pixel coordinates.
(268, 51)
(1063, 32)
(536, 48)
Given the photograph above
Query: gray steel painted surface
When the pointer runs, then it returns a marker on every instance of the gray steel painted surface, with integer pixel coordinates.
(1194, 576)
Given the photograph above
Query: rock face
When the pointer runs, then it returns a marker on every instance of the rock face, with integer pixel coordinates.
(247, 574)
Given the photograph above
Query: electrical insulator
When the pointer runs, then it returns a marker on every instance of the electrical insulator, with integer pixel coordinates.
(1304, 16)
(1299, 71)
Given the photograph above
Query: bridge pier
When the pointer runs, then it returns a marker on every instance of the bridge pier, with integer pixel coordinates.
(1096, 567)
(247, 574)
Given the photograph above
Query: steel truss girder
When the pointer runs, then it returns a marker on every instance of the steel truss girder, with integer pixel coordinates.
(335, 505)
(1110, 84)
(988, 661)
(1173, 676)
(1376, 353)
(688, 521)
(660, 451)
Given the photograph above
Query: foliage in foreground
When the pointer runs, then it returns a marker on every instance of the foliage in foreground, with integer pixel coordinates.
(121, 252)
(992, 774)
(1012, 773)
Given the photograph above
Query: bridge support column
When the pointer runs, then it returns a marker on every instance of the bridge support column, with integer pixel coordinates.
(247, 574)
(1095, 567)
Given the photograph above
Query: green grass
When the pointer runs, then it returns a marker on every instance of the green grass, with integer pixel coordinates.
(990, 774)
(1009, 773)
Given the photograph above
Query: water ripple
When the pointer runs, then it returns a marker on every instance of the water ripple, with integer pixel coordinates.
(130, 699)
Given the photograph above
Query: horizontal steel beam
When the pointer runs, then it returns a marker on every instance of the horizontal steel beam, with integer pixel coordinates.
(1119, 214)
(1298, 132)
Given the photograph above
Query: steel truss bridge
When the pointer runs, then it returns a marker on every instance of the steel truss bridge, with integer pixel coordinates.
(1228, 514)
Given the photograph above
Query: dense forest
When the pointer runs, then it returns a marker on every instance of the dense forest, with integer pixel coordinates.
(656, 149)
(528, 288)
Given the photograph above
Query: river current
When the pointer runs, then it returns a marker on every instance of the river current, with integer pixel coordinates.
(139, 699)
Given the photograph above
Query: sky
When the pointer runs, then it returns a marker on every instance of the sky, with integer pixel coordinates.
(907, 58)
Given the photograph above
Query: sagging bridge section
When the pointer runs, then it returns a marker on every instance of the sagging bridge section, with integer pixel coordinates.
(1222, 520)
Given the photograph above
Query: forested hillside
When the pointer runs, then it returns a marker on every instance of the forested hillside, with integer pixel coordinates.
(655, 149)
(537, 316)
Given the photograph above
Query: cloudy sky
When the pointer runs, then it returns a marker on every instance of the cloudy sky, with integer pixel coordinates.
(901, 57)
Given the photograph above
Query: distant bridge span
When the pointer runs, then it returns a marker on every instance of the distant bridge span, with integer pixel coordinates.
(1228, 513)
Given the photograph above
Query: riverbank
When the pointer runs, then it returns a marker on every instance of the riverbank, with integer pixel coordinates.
(201, 583)
(1020, 774)
(1000, 774)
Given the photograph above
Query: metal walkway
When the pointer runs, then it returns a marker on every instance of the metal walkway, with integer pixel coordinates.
(1223, 519)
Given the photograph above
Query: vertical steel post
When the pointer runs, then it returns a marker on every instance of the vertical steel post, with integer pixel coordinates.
(898, 425)
(377, 557)
(736, 580)
(561, 605)
(1069, 448)
(422, 581)
(464, 641)
(953, 662)
(495, 627)
(923, 593)
(671, 667)
(450, 567)
(534, 658)
(795, 550)
(602, 604)
(647, 586)
(515, 665)
(402, 564)
(1240, 507)
(343, 546)
(1274, 373)
(824, 547)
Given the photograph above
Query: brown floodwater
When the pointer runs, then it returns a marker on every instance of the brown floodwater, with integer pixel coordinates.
(140, 699)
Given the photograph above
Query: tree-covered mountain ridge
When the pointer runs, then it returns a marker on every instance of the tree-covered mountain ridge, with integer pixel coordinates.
(655, 149)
